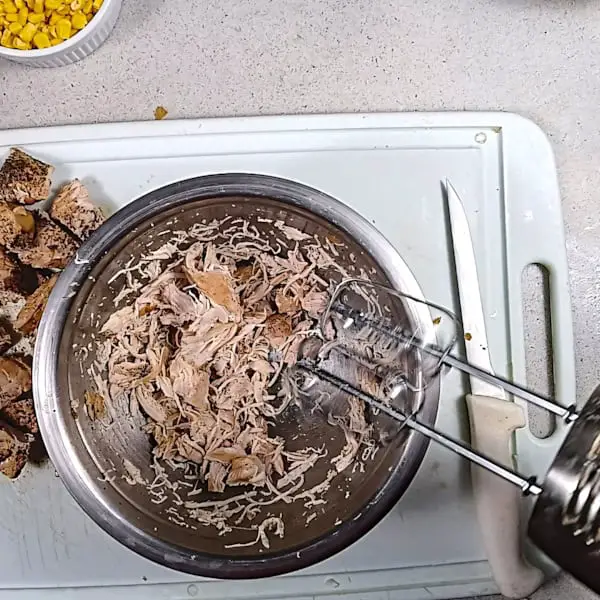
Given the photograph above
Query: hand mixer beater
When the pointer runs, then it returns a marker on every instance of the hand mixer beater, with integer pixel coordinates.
(361, 324)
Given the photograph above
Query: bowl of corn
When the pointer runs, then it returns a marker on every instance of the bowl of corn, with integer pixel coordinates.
(54, 33)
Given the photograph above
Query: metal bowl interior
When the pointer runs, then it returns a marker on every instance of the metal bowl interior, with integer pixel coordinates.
(89, 456)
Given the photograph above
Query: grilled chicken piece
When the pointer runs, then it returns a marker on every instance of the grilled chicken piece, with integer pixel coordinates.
(17, 224)
(15, 380)
(21, 415)
(14, 450)
(73, 208)
(51, 248)
(29, 316)
(24, 179)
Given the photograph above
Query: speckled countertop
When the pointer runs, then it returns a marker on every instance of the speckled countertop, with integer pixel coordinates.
(241, 57)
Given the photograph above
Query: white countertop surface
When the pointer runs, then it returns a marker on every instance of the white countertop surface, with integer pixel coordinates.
(240, 57)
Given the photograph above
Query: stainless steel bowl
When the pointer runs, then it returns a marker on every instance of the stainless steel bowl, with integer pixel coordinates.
(83, 451)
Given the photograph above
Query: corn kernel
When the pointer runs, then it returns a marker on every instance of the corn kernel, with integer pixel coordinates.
(19, 3)
(29, 4)
(55, 42)
(63, 29)
(38, 6)
(10, 8)
(78, 20)
(52, 31)
(23, 14)
(76, 5)
(11, 18)
(43, 28)
(41, 40)
(35, 17)
(87, 7)
(54, 18)
(63, 10)
(19, 44)
(27, 33)
(15, 27)
(6, 39)
(97, 4)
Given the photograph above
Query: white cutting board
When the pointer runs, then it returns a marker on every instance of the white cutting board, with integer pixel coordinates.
(389, 168)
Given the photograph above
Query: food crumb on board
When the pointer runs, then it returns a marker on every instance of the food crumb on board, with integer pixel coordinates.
(160, 112)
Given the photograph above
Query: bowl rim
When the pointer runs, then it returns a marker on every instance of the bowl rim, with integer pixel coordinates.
(45, 380)
(66, 45)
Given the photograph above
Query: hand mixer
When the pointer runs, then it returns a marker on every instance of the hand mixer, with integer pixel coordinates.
(565, 522)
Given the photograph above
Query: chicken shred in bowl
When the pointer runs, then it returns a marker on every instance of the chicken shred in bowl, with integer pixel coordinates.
(202, 331)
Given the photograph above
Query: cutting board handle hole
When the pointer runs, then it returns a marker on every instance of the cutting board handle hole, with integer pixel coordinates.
(535, 286)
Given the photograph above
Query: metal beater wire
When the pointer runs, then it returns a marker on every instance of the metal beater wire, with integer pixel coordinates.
(352, 316)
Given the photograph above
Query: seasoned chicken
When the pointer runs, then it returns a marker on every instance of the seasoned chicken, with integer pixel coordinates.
(15, 379)
(17, 225)
(30, 315)
(24, 179)
(21, 415)
(73, 208)
(51, 248)
(14, 450)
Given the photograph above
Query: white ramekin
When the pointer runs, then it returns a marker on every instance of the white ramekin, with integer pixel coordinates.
(83, 43)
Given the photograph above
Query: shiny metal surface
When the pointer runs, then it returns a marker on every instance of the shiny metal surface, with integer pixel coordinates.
(471, 306)
(565, 522)
(83, 452)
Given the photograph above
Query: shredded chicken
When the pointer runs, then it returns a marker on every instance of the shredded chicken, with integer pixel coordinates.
(199, 350)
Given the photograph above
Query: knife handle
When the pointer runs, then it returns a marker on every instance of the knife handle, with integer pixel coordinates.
(498, 502)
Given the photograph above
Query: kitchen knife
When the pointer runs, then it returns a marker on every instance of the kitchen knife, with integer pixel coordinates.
(493, 419)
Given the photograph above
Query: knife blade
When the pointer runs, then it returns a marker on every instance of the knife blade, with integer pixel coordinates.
(471, 306)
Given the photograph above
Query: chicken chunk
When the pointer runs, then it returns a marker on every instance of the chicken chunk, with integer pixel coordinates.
(15, 380)
(24, 179)
(21, 415)
(51, 248)
(29, 316)
(14, 450)
(17, 224)
(73, 208)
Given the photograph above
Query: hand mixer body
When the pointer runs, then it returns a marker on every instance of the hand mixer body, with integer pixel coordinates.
(565, 523)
